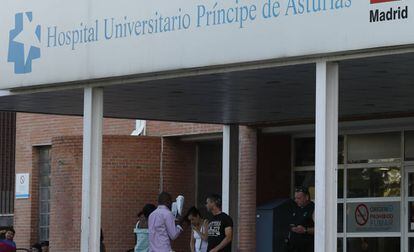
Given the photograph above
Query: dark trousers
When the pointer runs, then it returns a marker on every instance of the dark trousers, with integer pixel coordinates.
(301, 246)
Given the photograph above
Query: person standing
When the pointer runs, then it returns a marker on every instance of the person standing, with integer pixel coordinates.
(162, 226)
(141, 229)
(220, 228)
(199, 232)
(7, 244)
(301, 235)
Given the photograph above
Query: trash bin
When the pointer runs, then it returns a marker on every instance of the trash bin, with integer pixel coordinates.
(272, 225)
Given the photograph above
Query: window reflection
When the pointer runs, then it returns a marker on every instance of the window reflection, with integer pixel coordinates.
(374, 182)
(307, 179)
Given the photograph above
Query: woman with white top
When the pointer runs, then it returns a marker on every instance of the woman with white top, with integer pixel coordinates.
(199, 232)
(141, 229)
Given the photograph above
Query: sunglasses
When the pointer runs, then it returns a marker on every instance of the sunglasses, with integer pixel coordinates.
(302, 190)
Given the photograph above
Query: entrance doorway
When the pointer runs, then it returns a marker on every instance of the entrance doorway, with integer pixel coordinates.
(375, 185)
(209, 172)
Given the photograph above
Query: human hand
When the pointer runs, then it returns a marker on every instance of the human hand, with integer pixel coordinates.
(179, 220)
(299, 229)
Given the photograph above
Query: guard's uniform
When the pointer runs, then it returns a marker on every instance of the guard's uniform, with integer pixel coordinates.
(302, 216)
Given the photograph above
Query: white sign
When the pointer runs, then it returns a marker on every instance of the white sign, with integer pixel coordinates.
(373, 217)
(22, 185)
(51, 41)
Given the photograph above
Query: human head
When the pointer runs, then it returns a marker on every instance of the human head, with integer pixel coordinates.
(165, 199)
(213, 203)
(193, 216)
(302, 196)
(36, 248)
(147, 210)
(10, 234)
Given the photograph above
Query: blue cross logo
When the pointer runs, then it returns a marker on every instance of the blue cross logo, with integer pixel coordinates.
(24, 43)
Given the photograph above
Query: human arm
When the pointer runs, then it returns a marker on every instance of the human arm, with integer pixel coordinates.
(173, 230)
(227, 239)
(204, 233)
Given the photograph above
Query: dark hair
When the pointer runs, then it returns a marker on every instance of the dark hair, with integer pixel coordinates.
(302, 189)
(147, 210)
(46, 243)
(11, 230)
(216, 199)
(164, 198)
(193, 211)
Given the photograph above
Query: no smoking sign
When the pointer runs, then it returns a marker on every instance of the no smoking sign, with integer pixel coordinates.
(361, 214)
(22, 185)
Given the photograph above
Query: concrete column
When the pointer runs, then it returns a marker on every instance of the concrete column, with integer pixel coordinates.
(92, 170)
(230, 176)
(326, 156)
(230, 167)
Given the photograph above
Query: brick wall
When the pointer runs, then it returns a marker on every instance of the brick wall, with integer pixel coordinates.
(66, 194)
(179, 164)
(124, 173)
(36, 129)
(130, 179)
(157, 128)
(247, 189)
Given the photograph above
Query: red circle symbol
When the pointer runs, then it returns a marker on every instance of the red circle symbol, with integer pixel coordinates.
(361, 214)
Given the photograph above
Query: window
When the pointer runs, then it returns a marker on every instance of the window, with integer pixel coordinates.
(374, 148)
(340, 245)
(409, 145)
(369, 188)
(374, 182)
(307, 179)
(305, 151)
(44, 193)
(340, 214)
(373, 244)
(378, 217)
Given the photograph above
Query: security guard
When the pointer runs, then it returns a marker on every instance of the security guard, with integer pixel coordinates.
(301, 234)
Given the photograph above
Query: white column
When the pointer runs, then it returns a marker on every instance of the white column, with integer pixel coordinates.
(326, 156)
(225, 194)
(230, 175)
(92, 170)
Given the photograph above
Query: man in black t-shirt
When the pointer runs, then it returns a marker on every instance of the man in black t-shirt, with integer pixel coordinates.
(220, 228)
(301, 235)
